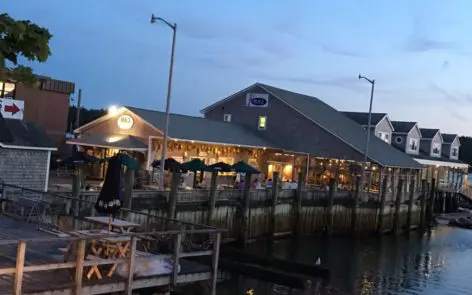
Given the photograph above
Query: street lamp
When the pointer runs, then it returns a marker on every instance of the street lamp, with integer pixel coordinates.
(173, 26)
(369, 120)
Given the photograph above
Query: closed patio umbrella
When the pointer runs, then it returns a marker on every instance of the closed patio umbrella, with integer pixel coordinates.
(221, 167)
(109, 199)
(196, 165)
(170, 164)
(243, 167)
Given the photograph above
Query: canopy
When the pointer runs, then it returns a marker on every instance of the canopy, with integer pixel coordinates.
(170, 164)
(196, 165)
(243, 167)
(221, 167)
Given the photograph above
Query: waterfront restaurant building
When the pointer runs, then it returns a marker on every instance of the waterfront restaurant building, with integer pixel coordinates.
(270, 128)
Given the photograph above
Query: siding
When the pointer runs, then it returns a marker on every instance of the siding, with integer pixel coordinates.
(385, 127)
(400, 142)
(285, 127)
(414, 133)
(436, 139)
(25, 168)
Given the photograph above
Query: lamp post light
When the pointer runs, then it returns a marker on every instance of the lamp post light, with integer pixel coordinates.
(369, 122)
(173, 26)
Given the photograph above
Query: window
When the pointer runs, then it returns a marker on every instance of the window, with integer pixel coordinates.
(398, 139)
(454, 152)
(436, 149)
(384, 136)
(7, 90)
(227, 117)
(262, 122)
(413, 144)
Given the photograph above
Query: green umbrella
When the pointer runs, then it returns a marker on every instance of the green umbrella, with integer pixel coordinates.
(243, 167)
(125, 160)
(195, 165)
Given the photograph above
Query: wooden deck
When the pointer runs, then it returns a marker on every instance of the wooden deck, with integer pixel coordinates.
(43, 274)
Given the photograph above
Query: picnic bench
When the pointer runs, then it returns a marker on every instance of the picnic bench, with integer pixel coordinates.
(122, 226)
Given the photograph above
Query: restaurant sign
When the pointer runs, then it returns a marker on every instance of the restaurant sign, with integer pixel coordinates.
(125, 122)
(258, 100)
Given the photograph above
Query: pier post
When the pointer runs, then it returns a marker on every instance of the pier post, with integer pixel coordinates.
(20, 264)
(411, 200)
(383, 200)
(330, 207)
(131, 263)
(398, 202)
(128, 189)
(212, 203)
(273, 205)
(297, 205)
(244, 212)
(355, 204)
(423, 204)
(172, 202)
(214, 263)
(76, 185)
(432, 200)
(79, 266)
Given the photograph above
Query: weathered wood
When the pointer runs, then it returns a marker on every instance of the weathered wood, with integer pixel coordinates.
(355, 204)
(76, 185)
(383, 200)
(244, 211)
(273, 204)
(432, 199)
(398, 202)
(297, 205)
(423, 204)
(131, 266)
(171, 209)
(79, 267)
(214, 263)
(176, 258)
(212, 203)
(411, 200)
(128, 189)
(20, 263)
(329, 209)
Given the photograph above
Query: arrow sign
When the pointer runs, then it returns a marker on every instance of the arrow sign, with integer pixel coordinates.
(13, 109)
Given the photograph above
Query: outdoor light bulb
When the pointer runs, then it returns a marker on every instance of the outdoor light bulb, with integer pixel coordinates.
(113, 110)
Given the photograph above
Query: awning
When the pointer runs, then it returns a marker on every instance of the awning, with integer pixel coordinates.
(442, 163)
(120, 142)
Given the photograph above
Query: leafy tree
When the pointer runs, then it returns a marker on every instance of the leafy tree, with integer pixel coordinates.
(86, 116)
(21, 38)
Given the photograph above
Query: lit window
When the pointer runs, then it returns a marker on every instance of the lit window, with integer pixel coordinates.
(7, 90)
(262, 122)
(455, 152)
(227, 117)
(436, 149)
(413, 144)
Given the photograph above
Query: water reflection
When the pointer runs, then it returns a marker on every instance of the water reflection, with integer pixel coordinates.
(434, 263)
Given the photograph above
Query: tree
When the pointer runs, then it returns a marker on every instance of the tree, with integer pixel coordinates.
(465, 152)
(21, 38)
(86, 116)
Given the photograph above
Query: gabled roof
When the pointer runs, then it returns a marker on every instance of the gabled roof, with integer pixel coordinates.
(363, 118)
(341, 127)
(428, 133)
(19, 134)
(203, 130)
(403, 127)
(448, 138)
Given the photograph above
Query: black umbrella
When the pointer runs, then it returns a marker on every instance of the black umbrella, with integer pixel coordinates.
(243, 167)
(221, 167)
(196, 165)
(109, 199)
(170, 164)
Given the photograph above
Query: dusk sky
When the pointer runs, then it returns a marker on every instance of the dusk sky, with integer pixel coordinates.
(419, 52)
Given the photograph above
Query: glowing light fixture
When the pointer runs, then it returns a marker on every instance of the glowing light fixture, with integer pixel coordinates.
(113, 110)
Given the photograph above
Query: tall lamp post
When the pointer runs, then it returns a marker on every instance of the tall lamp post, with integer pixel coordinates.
(369, 121)
(155, 19)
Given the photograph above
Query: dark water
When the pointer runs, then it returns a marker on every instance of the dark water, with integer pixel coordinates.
(439, 262)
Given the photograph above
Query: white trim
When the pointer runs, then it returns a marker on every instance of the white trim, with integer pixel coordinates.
(107, 147)
(441, 163)
(48, 163)
(149, 152)
(220, 143)
(20, 147)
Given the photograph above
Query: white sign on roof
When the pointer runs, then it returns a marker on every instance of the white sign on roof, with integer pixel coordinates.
(12, 108)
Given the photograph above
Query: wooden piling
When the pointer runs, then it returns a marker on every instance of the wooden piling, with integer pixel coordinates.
(398, 202)
(76, 185)
(172, 202)
(383, 200)
(20, 264)
(273, 205)
(329, 209)
(128, 190)
(297, 205)
(423, 204)
(212, 203)
(411, 200)
(244, 212)
(355, 204)
(432, 200)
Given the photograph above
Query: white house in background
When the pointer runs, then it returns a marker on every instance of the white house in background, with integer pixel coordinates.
(380, 124)
(450, 146)
(406, 137)
(431, 142)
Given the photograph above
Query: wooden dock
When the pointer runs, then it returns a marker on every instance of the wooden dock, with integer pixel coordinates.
(31, 262)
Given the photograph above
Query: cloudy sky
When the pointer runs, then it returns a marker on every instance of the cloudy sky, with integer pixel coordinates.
(419, 52)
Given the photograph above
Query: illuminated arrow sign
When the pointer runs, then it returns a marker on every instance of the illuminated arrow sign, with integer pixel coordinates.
(11, 108)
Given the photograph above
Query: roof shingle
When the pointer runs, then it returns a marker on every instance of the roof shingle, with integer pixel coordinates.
(19, 133)
(428, 133)
(402, 126)
(448, 138)
(363, 118)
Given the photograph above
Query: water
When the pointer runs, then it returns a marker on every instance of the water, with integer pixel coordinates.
(440, 262)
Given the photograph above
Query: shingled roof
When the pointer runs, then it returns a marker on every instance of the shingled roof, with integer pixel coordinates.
(342, 127)
(201, 129)
(448, 138)
(428, 133)
(402, 127)
(363, 118)
(17, 133)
